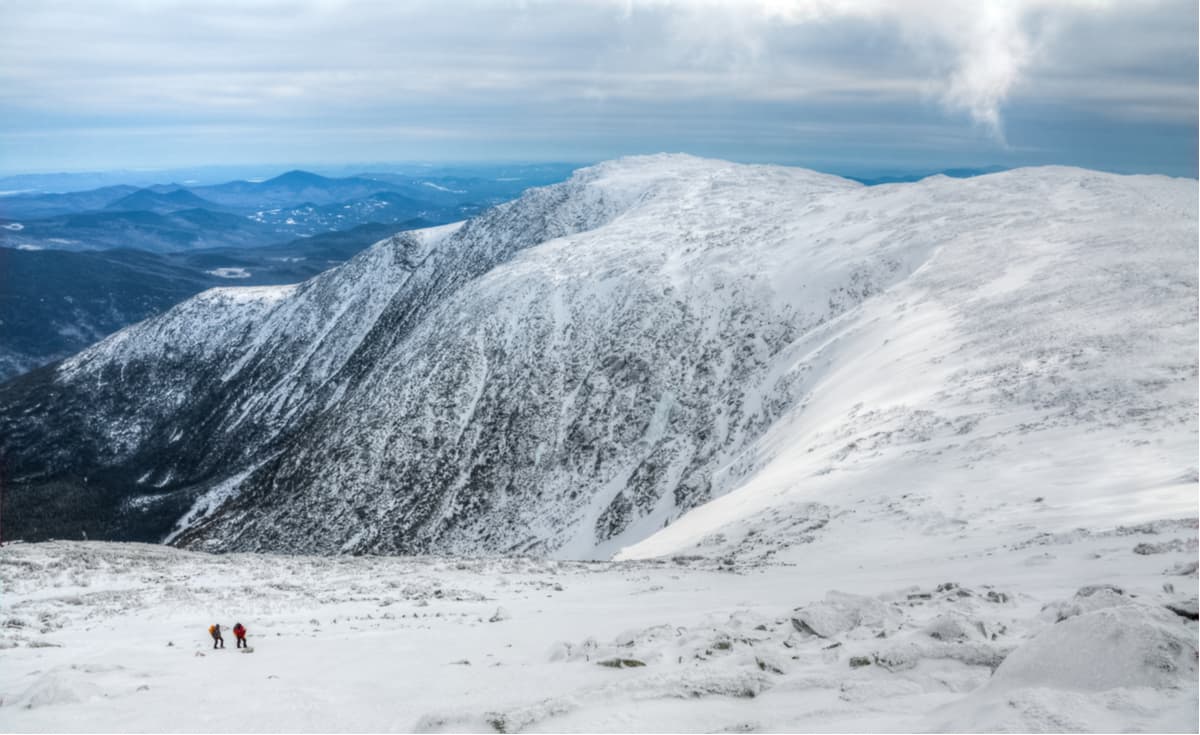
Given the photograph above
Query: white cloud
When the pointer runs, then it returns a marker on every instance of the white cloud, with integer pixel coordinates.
(971, 53)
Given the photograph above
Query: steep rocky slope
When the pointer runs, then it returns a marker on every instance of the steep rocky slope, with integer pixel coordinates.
(571, 372)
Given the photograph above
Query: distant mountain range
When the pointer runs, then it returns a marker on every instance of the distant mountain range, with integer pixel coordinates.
(76, 266)
(54, 303)
(237, 214)
(172, 217)
(65, 182)
(149, 200)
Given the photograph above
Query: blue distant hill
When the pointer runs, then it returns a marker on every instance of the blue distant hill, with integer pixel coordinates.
(75, 267)
(149, 200)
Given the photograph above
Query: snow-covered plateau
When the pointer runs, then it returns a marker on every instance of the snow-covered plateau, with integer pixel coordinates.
(906, 457)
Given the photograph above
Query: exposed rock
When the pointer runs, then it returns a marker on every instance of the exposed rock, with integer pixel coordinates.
(500, 614)
(1185, 569)
(840, 612)
(770, 664)
(621, 663)
(1086, 599)
(1187, 609)
(1146, 548)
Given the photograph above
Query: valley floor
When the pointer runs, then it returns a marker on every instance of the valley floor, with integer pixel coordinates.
(113, 637)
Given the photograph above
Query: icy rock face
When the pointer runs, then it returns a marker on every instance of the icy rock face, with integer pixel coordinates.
(569, 372)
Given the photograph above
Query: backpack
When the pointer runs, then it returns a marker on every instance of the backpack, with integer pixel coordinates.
(212, 630)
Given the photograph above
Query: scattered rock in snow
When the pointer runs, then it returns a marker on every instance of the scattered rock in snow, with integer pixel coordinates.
(955, 628)
(1146, 548)
(1091, 589)
(770, 663)
(742, 727)
(840, 612)
(1184, 569)
(906, 655)
(621, 663)
(500, 614)
(1189, 609)
(1086, 599)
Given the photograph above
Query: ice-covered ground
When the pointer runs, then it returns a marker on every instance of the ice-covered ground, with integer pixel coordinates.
(1051, 632)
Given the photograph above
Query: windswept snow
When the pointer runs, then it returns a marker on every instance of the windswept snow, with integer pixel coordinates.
(112, 637)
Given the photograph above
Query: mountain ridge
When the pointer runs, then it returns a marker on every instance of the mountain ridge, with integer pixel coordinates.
(567, 373)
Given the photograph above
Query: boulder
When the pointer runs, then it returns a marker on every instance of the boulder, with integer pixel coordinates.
(840, 612)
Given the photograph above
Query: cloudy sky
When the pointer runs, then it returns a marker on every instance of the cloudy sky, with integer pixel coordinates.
(846, 85)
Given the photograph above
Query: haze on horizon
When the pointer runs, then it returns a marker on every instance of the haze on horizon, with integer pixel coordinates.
(836, 84)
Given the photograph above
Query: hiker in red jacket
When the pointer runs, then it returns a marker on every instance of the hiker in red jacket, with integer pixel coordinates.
(239, 632)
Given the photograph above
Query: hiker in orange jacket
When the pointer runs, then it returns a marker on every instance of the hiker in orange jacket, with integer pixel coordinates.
(239, 632)
(215, 631)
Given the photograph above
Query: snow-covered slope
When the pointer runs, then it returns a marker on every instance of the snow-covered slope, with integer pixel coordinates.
(1036, 374)
(569, 373)
(112, 638)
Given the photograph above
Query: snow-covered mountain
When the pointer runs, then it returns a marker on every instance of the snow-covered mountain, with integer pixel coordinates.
(743, 355)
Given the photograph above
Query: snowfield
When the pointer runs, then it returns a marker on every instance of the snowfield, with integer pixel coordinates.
(1075, 632)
